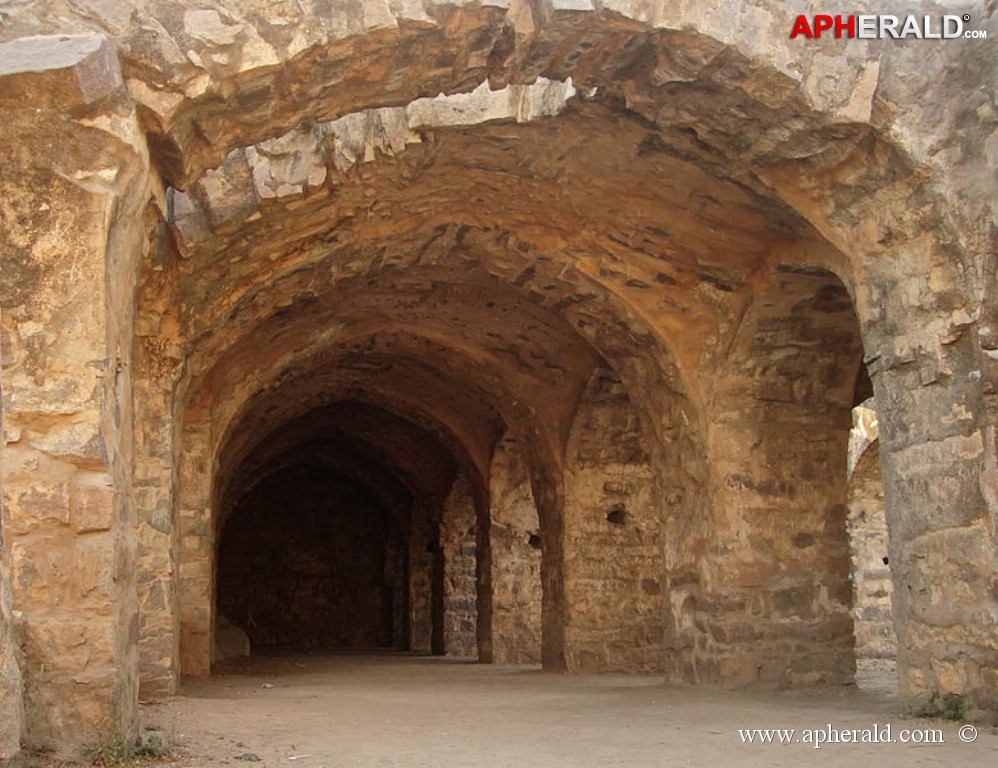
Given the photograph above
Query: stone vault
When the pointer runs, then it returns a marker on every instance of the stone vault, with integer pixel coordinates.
(526, 331)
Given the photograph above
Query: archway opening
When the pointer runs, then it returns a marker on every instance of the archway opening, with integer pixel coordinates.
(330, 535)
(432, 263)
(310, 559)
(869, 544)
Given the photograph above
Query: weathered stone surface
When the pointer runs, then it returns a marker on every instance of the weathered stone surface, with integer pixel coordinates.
(292, 207)
(869, 542)
(302, 159)
(516, 560)
(65, 396)
(93, 504)
(613, 563)
(11, 688)
(68, 70)
(457, 540)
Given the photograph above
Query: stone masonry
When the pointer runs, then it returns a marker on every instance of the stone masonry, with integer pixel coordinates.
(528, 331)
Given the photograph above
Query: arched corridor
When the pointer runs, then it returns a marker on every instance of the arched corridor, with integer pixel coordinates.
(520, 332)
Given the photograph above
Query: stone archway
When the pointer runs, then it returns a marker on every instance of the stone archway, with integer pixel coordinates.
(873, 587)
(249, 199)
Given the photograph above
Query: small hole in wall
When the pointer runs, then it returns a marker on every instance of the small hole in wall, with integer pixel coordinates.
(617, 515)
(534, 541)
(884, 558)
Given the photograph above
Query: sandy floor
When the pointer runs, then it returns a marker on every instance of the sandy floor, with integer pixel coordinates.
(380, 711)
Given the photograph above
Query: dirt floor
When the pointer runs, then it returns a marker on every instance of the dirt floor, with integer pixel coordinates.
(383, 711)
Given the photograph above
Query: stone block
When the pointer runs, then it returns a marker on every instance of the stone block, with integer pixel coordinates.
(69, 643)
(44, 501)
(229, 193)
(57, 70)
(93, 504)
(73, 442)
(95, 573)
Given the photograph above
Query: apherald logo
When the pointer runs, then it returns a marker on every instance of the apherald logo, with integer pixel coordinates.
(869, 27)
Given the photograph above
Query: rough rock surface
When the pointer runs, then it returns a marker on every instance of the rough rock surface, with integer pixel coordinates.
(871, 573)
(11, 688)
(237, 235)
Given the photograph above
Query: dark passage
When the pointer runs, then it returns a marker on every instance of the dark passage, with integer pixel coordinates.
(311, 559)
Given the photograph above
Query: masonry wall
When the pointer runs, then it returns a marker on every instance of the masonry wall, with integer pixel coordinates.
(425, 590)
(457, 539)
(303, 562)
(779, 607)
(516, 560)
(72, 199)
(613, 551)
(11, 682)
(871, 574)
(11, 692)
(848, 143)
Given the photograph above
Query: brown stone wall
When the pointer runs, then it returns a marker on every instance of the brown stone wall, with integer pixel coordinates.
(516, 559)
(496, 262)
(11, 684)
(779, 600)
(457, 539)
(160, 477)
(303, 562)
(940, 532)
(613, 551)
(424, 554)
(72, 203)
(196, 525)
(11, 680)
(873, 620)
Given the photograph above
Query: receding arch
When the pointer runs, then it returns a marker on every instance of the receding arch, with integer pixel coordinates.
(640, 76)
(869, 539)
(868, 160)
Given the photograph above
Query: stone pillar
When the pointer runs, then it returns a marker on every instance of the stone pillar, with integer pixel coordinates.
(483, 577)
(11, 682)
(196, 548)
(776, 592)
(158, 358)
(457, 538)
(614, 618)
(934, 380)
(942, 542)
(869, 544)
(71, 198)
(516, 559)
(423, 545)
